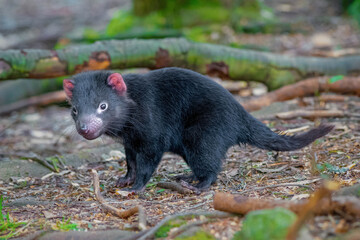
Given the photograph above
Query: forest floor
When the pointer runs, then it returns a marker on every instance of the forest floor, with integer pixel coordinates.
(45, 201)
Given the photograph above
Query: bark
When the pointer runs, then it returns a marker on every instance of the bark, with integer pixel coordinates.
(271, 69)
(242, 205)
(308, 87)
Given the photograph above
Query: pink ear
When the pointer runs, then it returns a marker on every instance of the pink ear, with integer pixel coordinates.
(116, 81)
(68, 87)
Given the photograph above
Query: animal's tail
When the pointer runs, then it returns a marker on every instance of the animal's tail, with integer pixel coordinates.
(262, 137)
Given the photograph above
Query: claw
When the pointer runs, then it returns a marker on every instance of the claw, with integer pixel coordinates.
(132, 190)
(124, 181)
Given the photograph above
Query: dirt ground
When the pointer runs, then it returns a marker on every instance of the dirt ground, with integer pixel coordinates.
(249, 171)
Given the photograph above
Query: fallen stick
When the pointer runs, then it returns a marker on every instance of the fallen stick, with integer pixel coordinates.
(107, 207)
(315, 200)
(175, 187)
(142, 218)
(310, 86)
(332, 98)
(290, 184)
(310, 114)
(42, 100)
(32, 156)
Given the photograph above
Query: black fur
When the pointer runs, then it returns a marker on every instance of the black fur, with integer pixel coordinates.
(179, 111)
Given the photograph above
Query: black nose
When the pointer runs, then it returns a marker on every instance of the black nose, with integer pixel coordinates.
(84, 128)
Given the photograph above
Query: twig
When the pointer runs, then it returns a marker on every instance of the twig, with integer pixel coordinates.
(214, 214)
(107, 207)
(41, 100)
(280, 185)
(56, 174)
(308, 209)
(197, 205)
(175, 187)
(22, 228)
(33, 157)
(310, 114)
(265, 170)
(142, 218)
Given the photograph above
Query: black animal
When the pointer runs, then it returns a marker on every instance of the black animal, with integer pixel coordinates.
(170, 109)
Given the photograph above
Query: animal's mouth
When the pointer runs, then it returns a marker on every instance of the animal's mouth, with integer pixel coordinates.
(91, 135)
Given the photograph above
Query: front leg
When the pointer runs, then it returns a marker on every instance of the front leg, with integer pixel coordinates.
(129, 178)
(146, 165)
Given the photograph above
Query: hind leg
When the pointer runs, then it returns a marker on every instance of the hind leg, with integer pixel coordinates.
(204, 160)
(204, 151)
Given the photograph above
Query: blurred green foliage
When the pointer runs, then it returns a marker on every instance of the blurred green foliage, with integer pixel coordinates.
(197, 20)
(353, 9)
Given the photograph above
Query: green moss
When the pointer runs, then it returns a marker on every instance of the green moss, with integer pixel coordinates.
(65, 225)
(199, 235)
(271, 224)
(163, 231)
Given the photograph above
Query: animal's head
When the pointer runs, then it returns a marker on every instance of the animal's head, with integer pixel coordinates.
(99, 102)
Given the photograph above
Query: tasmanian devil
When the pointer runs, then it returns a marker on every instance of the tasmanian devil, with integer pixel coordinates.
(174, 110)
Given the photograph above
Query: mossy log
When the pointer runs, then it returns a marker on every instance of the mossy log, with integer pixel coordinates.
(274, 70)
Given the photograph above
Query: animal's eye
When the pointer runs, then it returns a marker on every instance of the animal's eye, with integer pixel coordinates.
(103, 106)
(74, 110)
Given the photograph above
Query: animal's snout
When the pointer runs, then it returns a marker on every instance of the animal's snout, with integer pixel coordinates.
(90, 127)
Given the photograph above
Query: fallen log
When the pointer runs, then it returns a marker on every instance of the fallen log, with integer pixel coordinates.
(273, 70)
(307, 87)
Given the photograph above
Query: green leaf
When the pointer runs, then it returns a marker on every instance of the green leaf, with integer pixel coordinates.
(336, 78)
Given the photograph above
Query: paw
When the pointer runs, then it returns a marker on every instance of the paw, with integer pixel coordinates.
(134, 190)
(124, 181)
